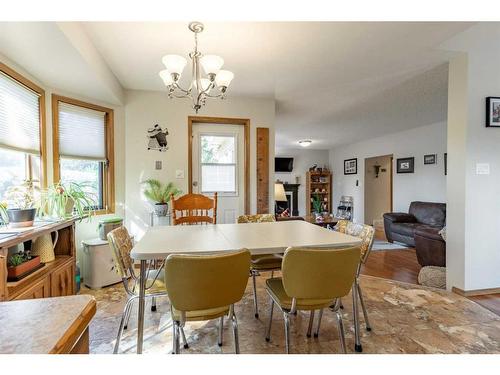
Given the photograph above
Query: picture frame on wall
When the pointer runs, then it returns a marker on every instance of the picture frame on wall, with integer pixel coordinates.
(351, 166)
(405, 165)
(430, 159)
(493, 112)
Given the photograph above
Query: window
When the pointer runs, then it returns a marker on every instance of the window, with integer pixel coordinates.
(21, 130)
(83, 149)
(218, 163)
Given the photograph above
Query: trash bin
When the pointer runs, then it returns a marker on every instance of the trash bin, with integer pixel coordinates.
(98, 264)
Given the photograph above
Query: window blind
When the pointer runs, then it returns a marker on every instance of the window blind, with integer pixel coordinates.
(81, 133)
(19, 116)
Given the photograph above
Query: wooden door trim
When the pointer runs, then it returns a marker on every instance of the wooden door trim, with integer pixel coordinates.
(221, 121)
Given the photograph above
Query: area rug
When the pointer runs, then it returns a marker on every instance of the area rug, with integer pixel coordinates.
(385, 245)
(405, 318)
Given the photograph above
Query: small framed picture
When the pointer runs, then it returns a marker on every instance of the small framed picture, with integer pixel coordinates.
(351, 166)
(430, 159)
(405, 165)
(492, 112)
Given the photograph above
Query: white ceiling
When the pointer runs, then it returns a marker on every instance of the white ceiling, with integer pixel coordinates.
(333, 82)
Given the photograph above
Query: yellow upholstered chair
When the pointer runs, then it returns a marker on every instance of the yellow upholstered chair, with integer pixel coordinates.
(193, 209)
(367, 234)
(261, 263)
(205, 288)
(121, 245)
(312, 279)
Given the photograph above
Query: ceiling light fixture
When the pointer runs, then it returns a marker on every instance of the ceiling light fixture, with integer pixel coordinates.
(200, 88)
(305, 142)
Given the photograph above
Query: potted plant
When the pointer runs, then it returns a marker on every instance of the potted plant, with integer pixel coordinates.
(21, 264)
(159, 194)
(20, 205)
(67, 200)
(317, 204)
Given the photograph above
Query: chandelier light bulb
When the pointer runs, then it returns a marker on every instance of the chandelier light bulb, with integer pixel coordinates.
(305, 142)
(211, 64)
(166, 77)
(224, 78)
(175, 64)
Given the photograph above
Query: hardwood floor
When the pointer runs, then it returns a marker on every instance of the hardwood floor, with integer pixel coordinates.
(402, 265)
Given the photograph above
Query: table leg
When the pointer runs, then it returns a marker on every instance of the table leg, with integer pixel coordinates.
(357, 341)
(140, 317)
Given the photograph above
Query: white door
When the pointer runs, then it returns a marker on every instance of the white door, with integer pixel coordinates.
(218, 166)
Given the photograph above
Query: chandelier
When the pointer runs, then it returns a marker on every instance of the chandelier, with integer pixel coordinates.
(214, 85)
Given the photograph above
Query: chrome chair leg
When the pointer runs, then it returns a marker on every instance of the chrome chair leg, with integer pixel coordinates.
(184, 341)
(268, 333)
(255, 295)
(320, 315)
(153, 303)
(340, 304)
(340, 324)
(365, 314)
(126, 310)
(311, 321)
(127, 318)
(174, 338)
(287, 332)
(221, 327)
(357, 342)
(235, 333)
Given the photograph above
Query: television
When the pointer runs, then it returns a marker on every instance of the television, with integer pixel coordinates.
(283, 164)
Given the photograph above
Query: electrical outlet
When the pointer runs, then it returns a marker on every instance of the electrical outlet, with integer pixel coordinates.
(179, 173)
(158, 165)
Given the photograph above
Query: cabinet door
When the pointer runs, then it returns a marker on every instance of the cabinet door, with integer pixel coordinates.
(41, 289)
(62, 281)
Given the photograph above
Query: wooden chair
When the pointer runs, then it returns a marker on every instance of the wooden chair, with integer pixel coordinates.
(192, 209)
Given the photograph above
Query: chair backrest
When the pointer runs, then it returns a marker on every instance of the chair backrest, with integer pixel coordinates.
(121, 245)
(365, 232)
(319, 273)
(429, 213)
(206, 281)
(259, 218)
(194, 209)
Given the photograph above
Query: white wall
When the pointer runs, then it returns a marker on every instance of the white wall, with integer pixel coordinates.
(143, 109)
(303, 159)
(428, 183)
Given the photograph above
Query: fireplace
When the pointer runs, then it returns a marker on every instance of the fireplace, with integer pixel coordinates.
(292, 192)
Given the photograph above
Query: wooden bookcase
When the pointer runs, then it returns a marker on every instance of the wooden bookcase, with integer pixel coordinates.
(319, 183)
(54, 279)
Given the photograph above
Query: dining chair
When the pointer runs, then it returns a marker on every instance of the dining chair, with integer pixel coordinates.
(193, 209)
(121, 245)
(264, 262)
(206, 287)
(312, 279)
(367, 234)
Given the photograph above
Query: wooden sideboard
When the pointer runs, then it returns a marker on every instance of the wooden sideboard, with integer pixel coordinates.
(54, 279)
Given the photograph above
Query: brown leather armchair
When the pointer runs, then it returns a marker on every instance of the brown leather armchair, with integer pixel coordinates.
(430, 247)
(401, 227)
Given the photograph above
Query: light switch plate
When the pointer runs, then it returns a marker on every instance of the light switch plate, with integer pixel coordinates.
(158, 165)
(179, 173)
(482, 168)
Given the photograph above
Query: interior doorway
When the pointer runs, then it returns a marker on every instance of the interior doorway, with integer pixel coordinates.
(378, 189)
(218, 162)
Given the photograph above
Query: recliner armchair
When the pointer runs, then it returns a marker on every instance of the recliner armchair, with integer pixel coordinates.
(401, 227)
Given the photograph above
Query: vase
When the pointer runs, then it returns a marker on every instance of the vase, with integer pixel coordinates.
(161, 209)
(43, 246)
(21, 217)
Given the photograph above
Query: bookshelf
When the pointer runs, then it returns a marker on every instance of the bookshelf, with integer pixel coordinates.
(319, 183)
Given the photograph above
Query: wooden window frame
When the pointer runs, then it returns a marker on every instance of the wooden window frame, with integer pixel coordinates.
(109, 178)
(42, 126)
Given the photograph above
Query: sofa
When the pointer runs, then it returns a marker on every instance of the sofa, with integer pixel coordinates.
(430, 247)
(426, 216)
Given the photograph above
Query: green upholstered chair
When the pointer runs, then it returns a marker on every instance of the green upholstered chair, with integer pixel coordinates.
(367, 234)
(121, 245)
(206, 287)
(261, 263)
(313, 279)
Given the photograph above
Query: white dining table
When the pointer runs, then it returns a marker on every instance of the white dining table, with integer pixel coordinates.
(259, 238)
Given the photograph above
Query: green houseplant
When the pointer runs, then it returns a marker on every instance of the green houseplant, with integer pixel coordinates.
(63, 200)
(19, 205)
(159, 193)
(21, 264)
(317, 204)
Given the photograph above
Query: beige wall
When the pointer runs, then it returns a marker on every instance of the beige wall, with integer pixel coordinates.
(378, 195)
(144, 109)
